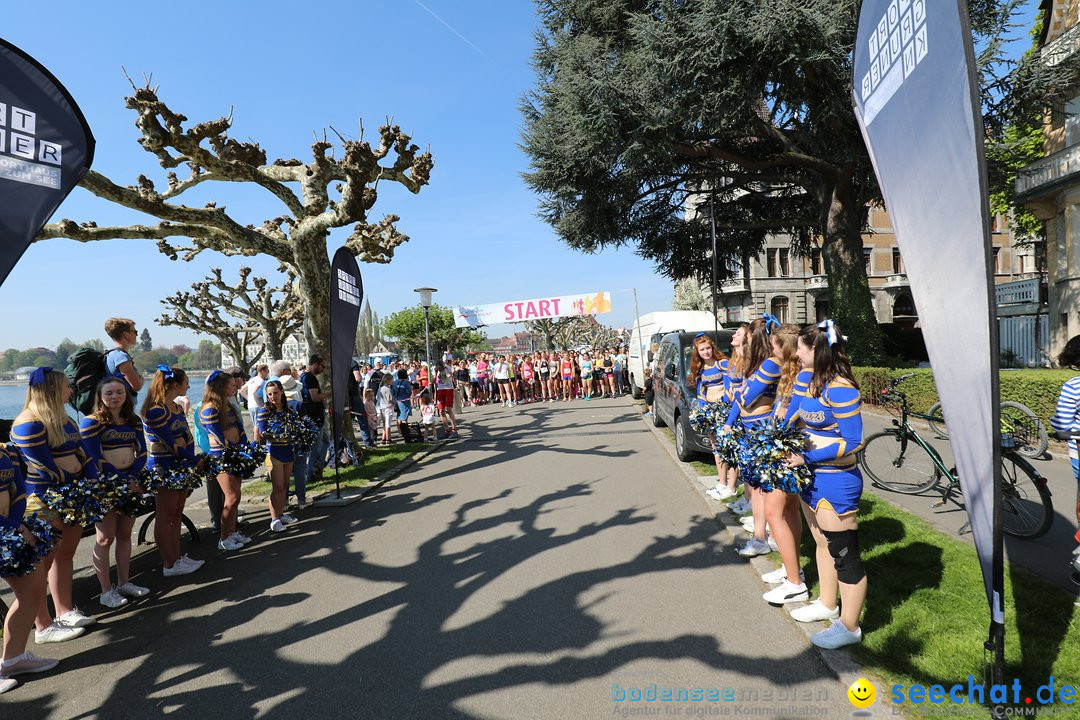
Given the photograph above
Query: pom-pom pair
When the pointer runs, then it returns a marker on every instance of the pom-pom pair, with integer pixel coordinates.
(292, 427)
(766, 448)
(84, 502)
(182, 475)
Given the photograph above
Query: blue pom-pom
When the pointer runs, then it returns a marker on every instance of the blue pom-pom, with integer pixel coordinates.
(298, 429)
(765, 450)
(182, 475)
(84, 502)
(239, 460)
(17, 556)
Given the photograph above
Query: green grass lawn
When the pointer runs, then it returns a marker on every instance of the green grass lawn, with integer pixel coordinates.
(926, 615)
(376, 461)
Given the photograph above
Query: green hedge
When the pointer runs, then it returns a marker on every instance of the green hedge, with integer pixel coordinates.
(1038, 389)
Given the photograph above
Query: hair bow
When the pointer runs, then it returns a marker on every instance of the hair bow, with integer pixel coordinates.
(38, 376)
(699, 335)
(166, 371)
(830, 328)
(770, 320)
(213, 376)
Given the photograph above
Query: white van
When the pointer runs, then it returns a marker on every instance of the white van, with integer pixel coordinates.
(645, 338)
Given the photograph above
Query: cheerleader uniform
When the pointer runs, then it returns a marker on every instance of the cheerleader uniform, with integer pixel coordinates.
(710, 377)
(835, 429)
(163, 429)
(98, 437)
(789, 412)
(279, 449)
(211, 420)
(14, 484)
(42, 471)
(747, 408)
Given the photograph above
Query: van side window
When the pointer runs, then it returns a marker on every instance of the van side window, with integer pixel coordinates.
(688, 356)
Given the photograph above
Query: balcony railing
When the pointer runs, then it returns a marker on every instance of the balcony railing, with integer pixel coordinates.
(1062, 47)
(896, 280)
(817, 282)
(1050, 171)
(735, 285)
(1018, 292)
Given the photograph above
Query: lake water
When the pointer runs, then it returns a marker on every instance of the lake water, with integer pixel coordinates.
(13, 397)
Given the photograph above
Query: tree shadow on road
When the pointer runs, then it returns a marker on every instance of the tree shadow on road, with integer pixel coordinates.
(550, 634)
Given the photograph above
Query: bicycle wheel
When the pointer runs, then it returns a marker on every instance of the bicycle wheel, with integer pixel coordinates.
(1026, 508)
(903, 467)
(936, 418)
(1027, 430)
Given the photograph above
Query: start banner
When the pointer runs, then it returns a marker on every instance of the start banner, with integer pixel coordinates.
(535, 309)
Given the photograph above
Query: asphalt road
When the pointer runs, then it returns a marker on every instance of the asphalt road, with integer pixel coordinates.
(547, 562)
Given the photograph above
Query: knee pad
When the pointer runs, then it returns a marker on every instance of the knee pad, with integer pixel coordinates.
(844, 548)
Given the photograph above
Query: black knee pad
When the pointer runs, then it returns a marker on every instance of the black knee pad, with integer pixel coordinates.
(844, 548)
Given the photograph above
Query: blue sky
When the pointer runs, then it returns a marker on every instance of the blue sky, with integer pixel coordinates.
(286, 71)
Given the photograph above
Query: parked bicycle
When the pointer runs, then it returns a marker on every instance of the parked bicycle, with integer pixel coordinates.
(899, 459)
(1017, 419)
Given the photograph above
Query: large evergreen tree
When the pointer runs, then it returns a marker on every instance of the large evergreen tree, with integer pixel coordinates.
(642, 104)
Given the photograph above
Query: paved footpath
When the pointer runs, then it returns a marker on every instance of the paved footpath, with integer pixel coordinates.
(547, 562)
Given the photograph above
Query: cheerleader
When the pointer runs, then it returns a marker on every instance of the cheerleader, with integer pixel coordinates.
(832, 413)
(781, 504)
(707, 368)
(52, 449)
(727, 480)
(280, 453)
(170, 442)
(29, 588)
(113, 437)
(752, 405)
(224, 429)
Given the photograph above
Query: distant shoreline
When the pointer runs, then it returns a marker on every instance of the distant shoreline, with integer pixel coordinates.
(22, 383)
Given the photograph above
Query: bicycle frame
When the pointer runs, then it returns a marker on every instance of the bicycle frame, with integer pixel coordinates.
(906, 432)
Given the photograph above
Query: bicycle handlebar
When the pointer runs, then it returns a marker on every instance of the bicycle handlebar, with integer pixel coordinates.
(896, 381)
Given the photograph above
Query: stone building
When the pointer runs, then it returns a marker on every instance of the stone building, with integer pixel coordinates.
(294, 349)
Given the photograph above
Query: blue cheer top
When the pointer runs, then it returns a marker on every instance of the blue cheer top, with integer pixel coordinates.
(710, 377)
(215, 425)
(834, 426)
(99, 437)
(788, 412)
(164, 428)
(732, 380)
(753, 402)
(13, 483)
(42, 471)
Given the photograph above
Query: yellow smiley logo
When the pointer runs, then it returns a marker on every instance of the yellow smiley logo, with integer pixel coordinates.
(862, 693)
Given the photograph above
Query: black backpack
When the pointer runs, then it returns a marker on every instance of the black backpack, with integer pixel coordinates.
(85, 369)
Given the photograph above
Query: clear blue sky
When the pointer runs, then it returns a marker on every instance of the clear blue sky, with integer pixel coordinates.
(286, 71)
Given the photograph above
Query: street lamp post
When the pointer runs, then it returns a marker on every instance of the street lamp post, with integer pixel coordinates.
(425, 302)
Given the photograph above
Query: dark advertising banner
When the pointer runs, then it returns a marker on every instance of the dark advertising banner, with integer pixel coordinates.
(45, 150)
(916, 99)
(346, 295)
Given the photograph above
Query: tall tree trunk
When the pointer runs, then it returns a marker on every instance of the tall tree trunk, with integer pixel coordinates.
(850, 302)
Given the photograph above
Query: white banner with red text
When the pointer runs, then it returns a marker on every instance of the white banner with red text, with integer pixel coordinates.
(535, 309)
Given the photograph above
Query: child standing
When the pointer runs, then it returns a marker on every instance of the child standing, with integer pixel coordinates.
(387, 407)
(427, 418)
(369, 410)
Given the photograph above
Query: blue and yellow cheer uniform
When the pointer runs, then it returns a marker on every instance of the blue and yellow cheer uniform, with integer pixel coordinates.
(745, 406)
(163, 429)
(42, 471)
(279, 449)
(99, 437)
(212, 422)
(710, 377)
(13, 483)
(788, 412)
(835, 428)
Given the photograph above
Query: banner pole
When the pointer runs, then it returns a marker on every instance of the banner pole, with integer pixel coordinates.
(333, 403)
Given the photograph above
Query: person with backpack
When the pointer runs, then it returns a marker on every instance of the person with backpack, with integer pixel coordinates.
(402, 390)
(356, 403)
(118, 363)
